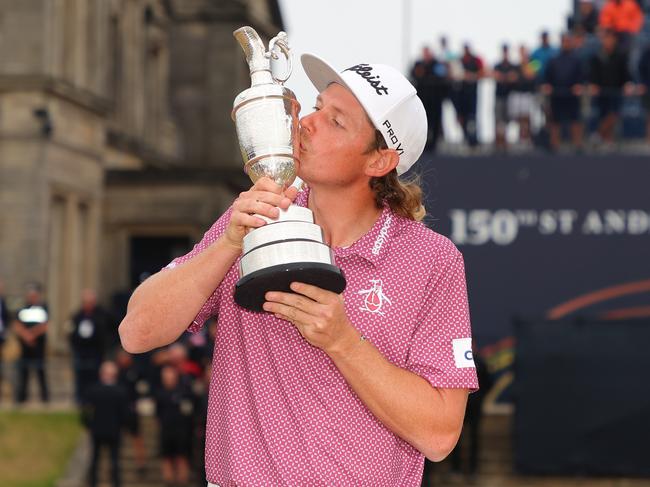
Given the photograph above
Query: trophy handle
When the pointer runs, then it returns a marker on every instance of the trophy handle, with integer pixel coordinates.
(281, 42)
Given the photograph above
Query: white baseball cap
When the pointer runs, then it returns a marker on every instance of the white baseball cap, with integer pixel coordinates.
(388, 98)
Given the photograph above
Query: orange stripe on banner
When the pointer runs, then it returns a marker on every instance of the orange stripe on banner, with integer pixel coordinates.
(598, 296)
(624, 313)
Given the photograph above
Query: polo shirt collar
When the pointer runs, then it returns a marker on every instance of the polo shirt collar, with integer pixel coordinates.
(373, 245)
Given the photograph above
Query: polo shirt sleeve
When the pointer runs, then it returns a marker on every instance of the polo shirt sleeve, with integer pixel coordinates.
(209, 307)
(441, 347)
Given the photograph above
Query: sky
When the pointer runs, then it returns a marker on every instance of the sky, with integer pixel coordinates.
(347, 32)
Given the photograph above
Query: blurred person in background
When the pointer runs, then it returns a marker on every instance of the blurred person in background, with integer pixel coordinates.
(585, 47)
(522, 98)
(473, 71)
(160, 358)
(506, 76)
(105, 413)
(453, 72)
(200, 346)
(539, 58)
(174, 410)
(564, 85)
(644, 87)
(584, 29)
(446, 54)
(4, 324)
(176, 355)
(541, 55)
(88, 341)
(429, 77)
(200, 420)
(624, 18)
(129, 379)
(610, 80)
(30, 327)
(586, 18)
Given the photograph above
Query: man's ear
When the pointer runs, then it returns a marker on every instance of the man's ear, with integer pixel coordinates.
(382, 163)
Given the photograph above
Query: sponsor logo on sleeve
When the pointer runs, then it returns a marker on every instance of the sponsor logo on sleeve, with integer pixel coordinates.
(463, 352)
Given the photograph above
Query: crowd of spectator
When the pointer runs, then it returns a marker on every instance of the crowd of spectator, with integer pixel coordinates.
(110, 385)
(581, 86)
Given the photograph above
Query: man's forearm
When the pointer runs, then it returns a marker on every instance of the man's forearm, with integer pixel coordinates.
(20, 330)
(39, 330)
(164, 305)
(428, 418)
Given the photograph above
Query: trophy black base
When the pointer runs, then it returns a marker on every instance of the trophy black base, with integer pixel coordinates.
(250, 289)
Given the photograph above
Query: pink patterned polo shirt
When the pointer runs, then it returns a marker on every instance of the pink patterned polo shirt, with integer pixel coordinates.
(280, 413)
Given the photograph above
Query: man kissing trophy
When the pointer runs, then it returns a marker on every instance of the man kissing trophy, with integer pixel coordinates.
(290, 248)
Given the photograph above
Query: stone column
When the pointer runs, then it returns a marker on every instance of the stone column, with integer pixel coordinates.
(81, 64)
(91, 246)
(102, 52)
(54, 27)
(56, 268)
(71, 269)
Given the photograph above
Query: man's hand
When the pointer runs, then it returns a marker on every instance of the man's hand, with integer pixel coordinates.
(263, 198)
(28, 337)
(319, 316)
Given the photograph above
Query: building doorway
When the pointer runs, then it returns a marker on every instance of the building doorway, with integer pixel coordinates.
(150, 254)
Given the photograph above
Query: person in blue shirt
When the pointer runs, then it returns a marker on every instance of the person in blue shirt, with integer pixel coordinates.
(542, 55)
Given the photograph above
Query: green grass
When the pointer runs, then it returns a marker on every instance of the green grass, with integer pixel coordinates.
(35, 447)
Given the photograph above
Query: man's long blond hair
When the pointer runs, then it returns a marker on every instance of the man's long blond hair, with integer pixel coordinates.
(404, 197)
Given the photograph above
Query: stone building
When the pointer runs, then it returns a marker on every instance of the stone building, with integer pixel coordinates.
(117, 150)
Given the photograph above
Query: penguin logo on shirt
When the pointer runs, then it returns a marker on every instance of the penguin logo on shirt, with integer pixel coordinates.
(374, 298)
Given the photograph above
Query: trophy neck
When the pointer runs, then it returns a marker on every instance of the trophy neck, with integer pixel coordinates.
(261, 77)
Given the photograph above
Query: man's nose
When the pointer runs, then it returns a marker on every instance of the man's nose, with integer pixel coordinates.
(307, 122)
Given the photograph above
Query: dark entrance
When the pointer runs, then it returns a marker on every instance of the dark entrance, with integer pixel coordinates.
(150, 254)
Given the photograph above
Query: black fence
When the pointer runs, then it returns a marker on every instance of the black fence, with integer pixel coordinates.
(582, 400)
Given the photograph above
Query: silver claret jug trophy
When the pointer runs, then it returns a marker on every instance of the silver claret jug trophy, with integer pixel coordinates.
(291, 247)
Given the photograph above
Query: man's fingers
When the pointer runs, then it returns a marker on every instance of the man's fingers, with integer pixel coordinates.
(293, 300)
(291, 192)
(312, 292)
(272, 199)
(251, 206)
(262, 203)
(267, 184)
(294, 315)
(246, 220)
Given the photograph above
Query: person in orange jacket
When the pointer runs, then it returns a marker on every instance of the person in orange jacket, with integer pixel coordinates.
(623, 17)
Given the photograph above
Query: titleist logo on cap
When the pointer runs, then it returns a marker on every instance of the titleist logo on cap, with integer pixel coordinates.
(365, 71)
